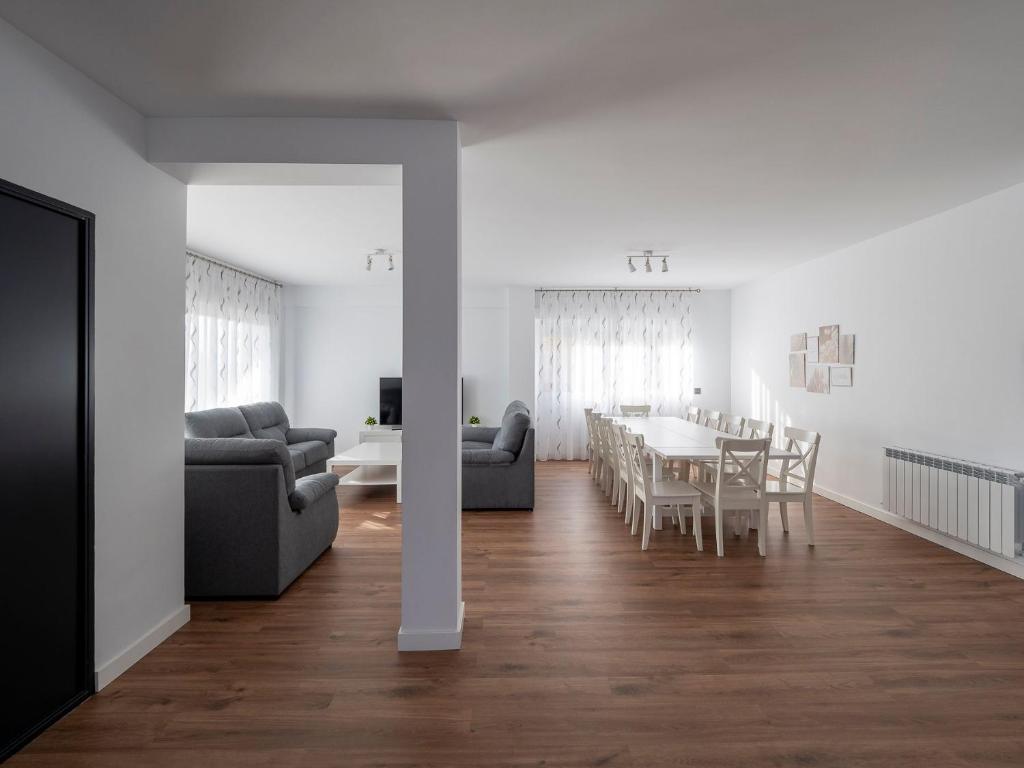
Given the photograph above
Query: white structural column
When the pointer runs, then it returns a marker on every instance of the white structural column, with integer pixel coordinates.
(432, 607)
(428, 151)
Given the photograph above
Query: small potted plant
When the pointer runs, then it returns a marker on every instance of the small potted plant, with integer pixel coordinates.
(474, 421)
(370, 421)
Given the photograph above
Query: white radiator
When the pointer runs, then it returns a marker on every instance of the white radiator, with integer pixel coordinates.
(976, 503)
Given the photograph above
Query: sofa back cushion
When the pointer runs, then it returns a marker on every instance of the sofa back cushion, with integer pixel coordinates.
(216, 422)
(234, 452)
(514, 424)
(266, 420)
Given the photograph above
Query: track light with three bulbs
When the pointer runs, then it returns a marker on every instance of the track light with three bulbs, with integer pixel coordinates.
(647, 256)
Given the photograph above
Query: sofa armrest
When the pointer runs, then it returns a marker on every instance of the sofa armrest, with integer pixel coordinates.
(310, 489)
(304, 434)
(479, 434)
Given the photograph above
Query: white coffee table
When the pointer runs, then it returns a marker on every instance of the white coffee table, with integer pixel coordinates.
(376, 464)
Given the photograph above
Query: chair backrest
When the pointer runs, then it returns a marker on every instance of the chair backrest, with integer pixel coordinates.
(635, 410)
(637, 469)
(588, 423)
(693, 414)
(731, 424)
(711, 419)
(806, 444)
(742, 464)
(604, 426)
(760, 430)
(621, 449)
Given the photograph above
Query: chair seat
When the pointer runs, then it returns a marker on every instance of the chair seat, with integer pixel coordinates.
(730, 493)
(673, 489)
(774, 488)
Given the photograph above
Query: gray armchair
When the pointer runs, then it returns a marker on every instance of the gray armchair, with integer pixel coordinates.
(251, 528)
(497, 462)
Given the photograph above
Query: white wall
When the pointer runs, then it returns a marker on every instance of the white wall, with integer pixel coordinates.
(64, 136)
(939, 322)
(712, 342)
(339, 341)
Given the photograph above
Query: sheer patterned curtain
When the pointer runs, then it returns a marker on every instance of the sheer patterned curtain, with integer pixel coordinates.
(600, 349)
(232, 333)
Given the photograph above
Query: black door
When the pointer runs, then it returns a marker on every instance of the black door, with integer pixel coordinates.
(46, 531)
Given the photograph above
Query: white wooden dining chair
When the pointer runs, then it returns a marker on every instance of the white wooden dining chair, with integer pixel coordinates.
(693, 414)
(655, 495)
(731, 424)
(796, 478)
(759, 430)
(711, 419)
(609, 461)
(587, 414)
(741, 491)
(596, 460)
(620, 466)
(635, 410)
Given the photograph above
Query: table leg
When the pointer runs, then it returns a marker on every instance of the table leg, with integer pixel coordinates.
(398, 483)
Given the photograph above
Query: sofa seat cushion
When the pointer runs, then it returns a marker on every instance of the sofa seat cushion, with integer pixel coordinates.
(298, 458)
(313, 450)
(476, 445)
(486, 456)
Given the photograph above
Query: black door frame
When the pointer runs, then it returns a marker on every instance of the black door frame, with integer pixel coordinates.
(86, 416)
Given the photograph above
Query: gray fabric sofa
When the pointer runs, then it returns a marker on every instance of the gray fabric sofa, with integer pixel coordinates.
(497, 462)
(309, 448)
(250, 527)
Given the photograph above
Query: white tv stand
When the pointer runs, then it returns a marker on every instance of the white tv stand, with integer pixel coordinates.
(385, 435)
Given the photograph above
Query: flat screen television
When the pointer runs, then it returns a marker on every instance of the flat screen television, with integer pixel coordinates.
(391, 401)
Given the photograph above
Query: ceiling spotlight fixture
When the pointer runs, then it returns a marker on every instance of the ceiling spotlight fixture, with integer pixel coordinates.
(391, 262)
(647, 261)
(369, 262)
(632, 267)
(664, 263)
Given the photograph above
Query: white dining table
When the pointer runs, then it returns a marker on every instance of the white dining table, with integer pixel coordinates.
(670, 438)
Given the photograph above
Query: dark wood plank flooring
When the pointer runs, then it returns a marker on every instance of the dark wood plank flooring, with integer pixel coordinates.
(875, 648)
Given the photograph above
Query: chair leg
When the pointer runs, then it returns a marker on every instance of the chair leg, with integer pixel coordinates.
(649, 513)
(809, 519)
(682, 519)
(762, 530)
(719, 532)
(630, 503)
(784, 514)
(698, 510)
(638, 505)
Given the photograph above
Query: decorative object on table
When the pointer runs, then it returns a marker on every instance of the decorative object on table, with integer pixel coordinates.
(841, 376)
(828, 344)
(474, 421)
(817, 379)
(846, 344)
(797, 374)
(370, 421)
(798, 342)
(812, 349)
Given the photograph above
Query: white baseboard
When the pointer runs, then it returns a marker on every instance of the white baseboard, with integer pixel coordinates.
(1012, 567)
(432, 639)
(126, 658)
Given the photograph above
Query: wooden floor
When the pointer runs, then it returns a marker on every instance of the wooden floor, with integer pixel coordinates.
(874, 649)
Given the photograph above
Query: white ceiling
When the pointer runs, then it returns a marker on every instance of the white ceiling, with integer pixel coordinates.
(740, 135)
(304, 235)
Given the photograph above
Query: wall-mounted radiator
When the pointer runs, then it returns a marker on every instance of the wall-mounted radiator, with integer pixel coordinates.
(976, 503)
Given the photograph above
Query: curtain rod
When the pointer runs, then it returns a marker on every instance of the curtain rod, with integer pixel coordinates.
(611, 290)
(232, 267)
